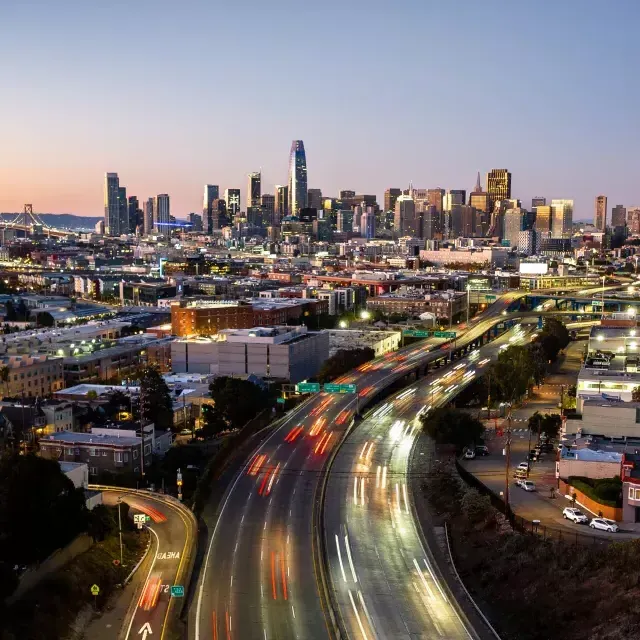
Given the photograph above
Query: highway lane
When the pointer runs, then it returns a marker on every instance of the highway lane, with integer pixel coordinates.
(382, 579)
(173, 534)
(258, 578)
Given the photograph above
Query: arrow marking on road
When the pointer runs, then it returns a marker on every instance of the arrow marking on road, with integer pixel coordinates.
(145, 629)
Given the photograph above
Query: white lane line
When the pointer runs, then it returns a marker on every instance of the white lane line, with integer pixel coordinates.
(355, 491)
(378, 477)
(355, 610)
(404, 495)
(362, 492)
(398, 496)
(344, 575)
(384, 477)
(293, 611)
(353, 569)
(433, 577)
(424, 582)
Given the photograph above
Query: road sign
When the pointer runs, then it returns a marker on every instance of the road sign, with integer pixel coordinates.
(140, 518)
(308, 387)
(596, 303)
(331, 387)
(444, 334)
(347, 388)
(416, 333)
(95, 590)
(280, 400)
(489, 298)
(177, 591)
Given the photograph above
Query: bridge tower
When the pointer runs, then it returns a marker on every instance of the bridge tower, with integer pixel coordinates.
(28, 220)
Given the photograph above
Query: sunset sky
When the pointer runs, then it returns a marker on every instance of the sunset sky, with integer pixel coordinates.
(172, 95)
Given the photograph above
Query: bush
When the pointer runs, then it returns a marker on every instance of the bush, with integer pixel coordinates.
(606, 491)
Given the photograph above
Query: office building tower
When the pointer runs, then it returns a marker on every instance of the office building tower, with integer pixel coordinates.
(453, 197)
(297, 178)
(195, 222)
(232, 201)
(346, 194)
(618, 216)
(543, 219)
(529, 219)
(123, 210)
(368, 223)
(407, 221)
(314, 199)
(561, 218)
(111, 204)
(390, 197)
(267, 205)
(528, 242)
(134, 214)
(600, 215)
(211, 193)
(99, 228)
(148, 216)
(219, 218)
(479, 199)
(430, 220)
(462, 221)
(498, 185)
(513, 225)
(162, 211)
(322, 230)
(435, 198)
(307, 215)
(633, 220)
(538, 202)
(254, 189)
(281, 207)
(345, 221)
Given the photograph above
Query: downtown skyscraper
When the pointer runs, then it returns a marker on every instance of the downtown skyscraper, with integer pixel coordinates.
(297, 178)
(600, 215)
(211, 194)
(498, 185)
(111, 204)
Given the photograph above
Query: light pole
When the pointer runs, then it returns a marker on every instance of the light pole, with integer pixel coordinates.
(120, 527)
(467, 304)
(603, 281)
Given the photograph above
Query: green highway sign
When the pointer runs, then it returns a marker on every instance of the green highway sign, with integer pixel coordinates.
(177, 591)
(331, 387)
(444, 334)
(596, 303)
(489, 297)
(280, 400)
(308, 387)
(416, 333)
(347, 388)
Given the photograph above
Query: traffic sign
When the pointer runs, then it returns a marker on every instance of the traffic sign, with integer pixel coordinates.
(331, 387)
(416, 333)
(596, 303)
(444, 334)
(489, 297)
(177, 591)
(308, 387)
(347, 388)
(280, 400)
(95, 590)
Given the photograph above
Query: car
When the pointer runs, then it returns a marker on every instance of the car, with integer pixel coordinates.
(469, 454)
(575, 515)
(527, 485)
(604, 524)
(524, 466)
(482, 450)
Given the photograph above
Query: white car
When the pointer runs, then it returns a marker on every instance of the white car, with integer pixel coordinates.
(469, 454)
(527, 485)
(604, 524)
(524, 466)
(571, 513)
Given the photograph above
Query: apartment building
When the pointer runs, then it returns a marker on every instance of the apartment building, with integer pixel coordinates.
(31, 375)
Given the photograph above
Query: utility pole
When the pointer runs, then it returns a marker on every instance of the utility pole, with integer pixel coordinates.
(120, 526)
(508, 454)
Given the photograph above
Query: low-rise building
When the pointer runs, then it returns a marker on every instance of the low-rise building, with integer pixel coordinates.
(588, 463)
(380, 341)
(31, 375)
(608, 418)
(447, 306)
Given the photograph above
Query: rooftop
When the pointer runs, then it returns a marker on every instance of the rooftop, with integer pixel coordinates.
(72, 437)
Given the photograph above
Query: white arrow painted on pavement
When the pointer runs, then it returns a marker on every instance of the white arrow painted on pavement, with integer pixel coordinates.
(145, 629)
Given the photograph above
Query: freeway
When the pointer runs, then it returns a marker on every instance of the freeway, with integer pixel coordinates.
(259, 577)
(173, 530)
(383, 581)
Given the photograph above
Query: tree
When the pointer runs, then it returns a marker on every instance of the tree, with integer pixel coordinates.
(213, 422)
(5, 372)
(635, 394)
(452, 426)
(102, 522)
(45, 319)
(511, 375)
(342, 361)
(235, 402)
(155, 399)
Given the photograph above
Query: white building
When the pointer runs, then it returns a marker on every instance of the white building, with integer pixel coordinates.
(380, 341)
(561, 218)
(285, 353)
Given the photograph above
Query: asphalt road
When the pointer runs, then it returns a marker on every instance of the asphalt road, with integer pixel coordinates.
(382, 578)
(258, 578)
(173, 534)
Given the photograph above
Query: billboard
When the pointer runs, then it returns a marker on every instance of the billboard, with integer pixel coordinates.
(534, 268)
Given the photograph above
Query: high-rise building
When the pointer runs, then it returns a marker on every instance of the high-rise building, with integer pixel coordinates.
(368, 223)
(431, 221)
(513, 225)
(479, 199)
(435, 198)
(618, 216)
(346, 194)
(281, 207)
(162, 210)
(211, 193)
(254, 189)
(195, 220)
(498, 185)
(462, 221)
(314, 199)
(390, 197)
(134, 214)
(345, 220)
(99, 228)
(232, 201)
(543, 218)
(123, 210)
(633, 220)
(561, 218)
(111, 204)
(538, 201)
(407, 221)
(297, 178)
(148, 209)
(219, 218)
(267, 206)
(528, 242)
(600, 215)
(453, 197)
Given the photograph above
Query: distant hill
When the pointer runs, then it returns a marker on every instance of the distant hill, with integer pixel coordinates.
(61, 220)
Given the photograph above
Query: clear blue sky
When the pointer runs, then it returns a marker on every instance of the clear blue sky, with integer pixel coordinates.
(175, 94)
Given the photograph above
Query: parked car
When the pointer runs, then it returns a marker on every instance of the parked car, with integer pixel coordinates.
(527, 485)
(524, 466)
(469, 454)
(604, 524)
(482, 450)
(575, 515)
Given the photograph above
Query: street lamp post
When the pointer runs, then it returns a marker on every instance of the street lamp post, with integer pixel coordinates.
(604, 278)
(120, 526)
(468, 304)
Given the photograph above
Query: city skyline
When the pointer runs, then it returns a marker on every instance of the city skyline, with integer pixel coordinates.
(559, 139)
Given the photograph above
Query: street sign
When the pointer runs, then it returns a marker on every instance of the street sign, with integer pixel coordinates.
(416, 333)
(95, 590)
(490, 298)
(596, 303)
(139, 518)
(347, 388)
(308, 387)
(177, 591)
(331, 387)
(444, 334)
(280, 400)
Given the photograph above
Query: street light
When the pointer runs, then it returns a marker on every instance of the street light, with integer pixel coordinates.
(343, 324)
(120, 526)
(365, 315)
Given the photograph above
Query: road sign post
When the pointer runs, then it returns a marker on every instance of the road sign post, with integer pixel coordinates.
(308, 387)
(177, 591)
(95, 591)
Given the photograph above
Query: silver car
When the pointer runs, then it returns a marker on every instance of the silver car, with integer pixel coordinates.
(604, 524)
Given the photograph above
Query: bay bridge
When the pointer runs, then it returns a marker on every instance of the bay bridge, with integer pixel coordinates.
(29, 224)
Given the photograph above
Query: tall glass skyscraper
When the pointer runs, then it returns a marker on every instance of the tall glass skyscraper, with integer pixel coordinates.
(111, 204)
(297, 178)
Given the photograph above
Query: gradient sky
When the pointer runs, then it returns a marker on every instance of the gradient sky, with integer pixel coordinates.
(172, 95)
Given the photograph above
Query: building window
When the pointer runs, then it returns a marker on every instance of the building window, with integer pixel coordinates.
(147, 449)
(77, 451)
(104, 453)
(93, 471)
(634, 493)
(117, 456)
(126, 456)
(135, 454)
